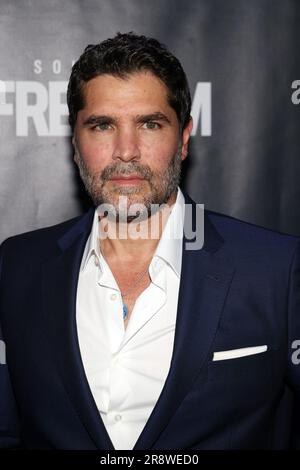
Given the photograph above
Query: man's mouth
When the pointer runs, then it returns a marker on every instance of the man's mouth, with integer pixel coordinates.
(127, 179)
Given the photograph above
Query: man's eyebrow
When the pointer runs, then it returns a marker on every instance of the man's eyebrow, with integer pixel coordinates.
(141, 118)
(94, 119)
(158, 116)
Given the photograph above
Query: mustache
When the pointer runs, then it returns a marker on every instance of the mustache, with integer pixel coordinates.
(132, 168)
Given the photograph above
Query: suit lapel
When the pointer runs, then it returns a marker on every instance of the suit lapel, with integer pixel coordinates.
(204, 284)
(59, 287)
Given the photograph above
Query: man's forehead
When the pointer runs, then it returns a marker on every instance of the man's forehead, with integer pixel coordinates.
(139, 93)
(138, 82)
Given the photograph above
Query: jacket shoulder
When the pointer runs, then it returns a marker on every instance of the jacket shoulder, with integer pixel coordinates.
(240, 232)
(42, 235)
(244, 233)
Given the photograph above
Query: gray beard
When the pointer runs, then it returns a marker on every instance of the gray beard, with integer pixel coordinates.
(168, 182)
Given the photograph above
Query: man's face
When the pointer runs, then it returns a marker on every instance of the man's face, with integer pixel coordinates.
(127, 129)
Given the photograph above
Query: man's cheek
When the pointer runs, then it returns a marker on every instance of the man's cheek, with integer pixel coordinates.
(94, 158)
(158, 158)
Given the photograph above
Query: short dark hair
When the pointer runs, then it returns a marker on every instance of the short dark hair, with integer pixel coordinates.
(122, 55)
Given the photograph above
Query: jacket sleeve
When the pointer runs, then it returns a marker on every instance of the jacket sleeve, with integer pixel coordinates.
(9, 422)
(293, 373)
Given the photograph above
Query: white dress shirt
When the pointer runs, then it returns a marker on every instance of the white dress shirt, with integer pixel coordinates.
(126, 368)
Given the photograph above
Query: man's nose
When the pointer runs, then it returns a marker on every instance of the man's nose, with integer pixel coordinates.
(127, 145)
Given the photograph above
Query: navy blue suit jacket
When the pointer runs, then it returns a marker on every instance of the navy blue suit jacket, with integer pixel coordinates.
(242, 289)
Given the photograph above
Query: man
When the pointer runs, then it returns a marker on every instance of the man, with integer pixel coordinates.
(131, 342)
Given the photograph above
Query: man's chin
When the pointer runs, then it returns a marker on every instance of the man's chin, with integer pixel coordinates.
(126, 189)
(133, 195)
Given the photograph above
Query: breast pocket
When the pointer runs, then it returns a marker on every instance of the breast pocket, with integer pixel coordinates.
(254, 367)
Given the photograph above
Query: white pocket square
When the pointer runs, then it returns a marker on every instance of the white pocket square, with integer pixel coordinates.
(235, 353)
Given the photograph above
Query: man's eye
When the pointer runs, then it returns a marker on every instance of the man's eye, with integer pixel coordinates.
(102, 126)
(152, 125)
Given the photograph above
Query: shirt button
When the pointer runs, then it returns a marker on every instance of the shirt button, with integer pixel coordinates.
(96, 261)
(113, 296)
(118, 418)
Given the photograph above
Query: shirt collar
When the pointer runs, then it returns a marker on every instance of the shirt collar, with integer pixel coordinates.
(92, 246)
(169, 247)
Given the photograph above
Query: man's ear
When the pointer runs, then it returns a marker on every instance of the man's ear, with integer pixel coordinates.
(186, 137)
(75, 149)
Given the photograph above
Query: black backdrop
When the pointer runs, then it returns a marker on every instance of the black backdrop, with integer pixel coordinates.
(242, 59)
